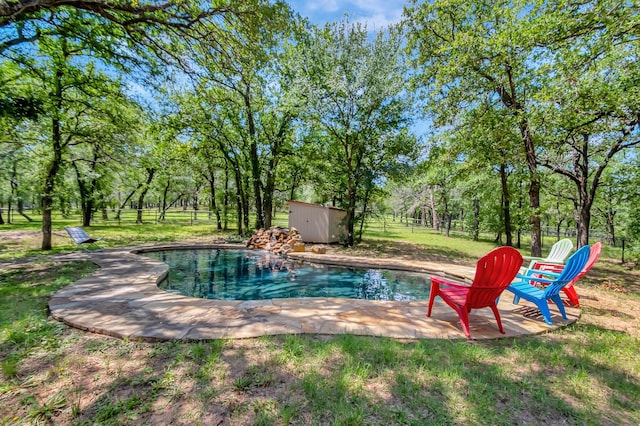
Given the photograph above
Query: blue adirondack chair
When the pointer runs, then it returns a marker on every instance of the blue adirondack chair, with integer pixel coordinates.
(523, 288)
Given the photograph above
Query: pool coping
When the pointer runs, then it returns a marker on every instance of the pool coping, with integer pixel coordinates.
(122, 299)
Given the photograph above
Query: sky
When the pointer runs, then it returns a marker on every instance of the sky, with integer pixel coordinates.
(375, 13)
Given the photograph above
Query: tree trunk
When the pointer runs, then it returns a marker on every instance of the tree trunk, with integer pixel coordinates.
(510, 100)
(85, 197)
(163, 208)
(214, 204)
(351, 219)
(351, 213)
(49, 185)
(225, 202)
(558, 228)
(255, 161)
(534, 189)
(150, 172)
(269, 191)
(476, 219)
(56, 161)
(87, 212)
(447, 216)
(9, 206)
(582, 224)
(126, 200)
(610, 215)
(434, 213)
(239, 197)
(506, 203)
(270, 185)
(195, 205)
(364, 210)
(16, 193)
(245, 205)
(295, 182)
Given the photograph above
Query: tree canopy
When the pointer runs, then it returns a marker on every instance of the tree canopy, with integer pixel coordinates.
(527, 113)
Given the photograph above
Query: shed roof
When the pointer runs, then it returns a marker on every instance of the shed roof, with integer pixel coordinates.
(320, 206)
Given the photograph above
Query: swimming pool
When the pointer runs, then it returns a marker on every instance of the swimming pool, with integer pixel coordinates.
(225, 274)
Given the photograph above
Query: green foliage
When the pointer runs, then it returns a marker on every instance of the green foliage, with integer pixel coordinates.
(358, 107)
(248, 105)
(557, 78)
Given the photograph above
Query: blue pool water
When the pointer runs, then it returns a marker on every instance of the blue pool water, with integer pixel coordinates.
(255, 275)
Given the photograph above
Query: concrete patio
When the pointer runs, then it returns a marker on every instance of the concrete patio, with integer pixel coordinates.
(122, 299)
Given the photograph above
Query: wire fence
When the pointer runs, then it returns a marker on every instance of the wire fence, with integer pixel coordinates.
(379, 225)
(624, 249)
(133, 216)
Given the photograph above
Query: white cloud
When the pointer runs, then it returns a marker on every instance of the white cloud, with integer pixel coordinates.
(376, 14)
(327, 6)
(378, 21)
(379, 13)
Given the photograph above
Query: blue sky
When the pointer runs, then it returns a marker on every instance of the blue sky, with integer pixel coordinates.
(375, 13)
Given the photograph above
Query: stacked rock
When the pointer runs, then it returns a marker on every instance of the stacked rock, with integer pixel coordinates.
(276, 239)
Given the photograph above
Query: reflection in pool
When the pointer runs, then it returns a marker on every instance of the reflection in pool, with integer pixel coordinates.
(254, 275)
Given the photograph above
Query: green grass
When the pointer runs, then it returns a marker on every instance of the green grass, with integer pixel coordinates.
(24, 326)
(582, 374)
(113, 235)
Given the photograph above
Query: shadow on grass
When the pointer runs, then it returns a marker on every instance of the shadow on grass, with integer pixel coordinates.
(554, 379)
(582, 375)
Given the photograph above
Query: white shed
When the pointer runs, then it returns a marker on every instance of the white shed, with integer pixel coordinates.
(316, 223)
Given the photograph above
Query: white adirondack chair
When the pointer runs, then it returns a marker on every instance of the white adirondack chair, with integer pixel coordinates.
(559, 252)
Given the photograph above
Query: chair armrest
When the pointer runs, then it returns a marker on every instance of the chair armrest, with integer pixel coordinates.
(548, 273)
(552, 266)
(438, 280)
(531, 272)
(550, 262)
(530, 258)
(532, 278)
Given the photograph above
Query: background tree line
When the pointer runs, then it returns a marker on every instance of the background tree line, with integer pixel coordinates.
(508, 116)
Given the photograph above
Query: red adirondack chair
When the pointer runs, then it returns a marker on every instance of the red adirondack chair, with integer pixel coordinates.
(569, 290)
(494, 272)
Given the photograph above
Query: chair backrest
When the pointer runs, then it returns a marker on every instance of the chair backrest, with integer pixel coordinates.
(77, 234)
(494, 272)
(596, 249)
(559, 251)
(575, 265)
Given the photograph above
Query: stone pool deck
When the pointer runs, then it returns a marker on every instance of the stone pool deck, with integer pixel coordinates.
(122, 299)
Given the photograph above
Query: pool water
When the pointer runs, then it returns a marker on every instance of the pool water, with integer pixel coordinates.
(253, 275)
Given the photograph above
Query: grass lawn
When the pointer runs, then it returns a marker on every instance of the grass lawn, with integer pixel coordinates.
(587, 373)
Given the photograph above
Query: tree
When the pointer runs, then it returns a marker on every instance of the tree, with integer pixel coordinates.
(565, 71)
(354, 92)
(139, 23)
(468, 52)
(590, 107)
(101, 142)
(486, 143)
(252, 74)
